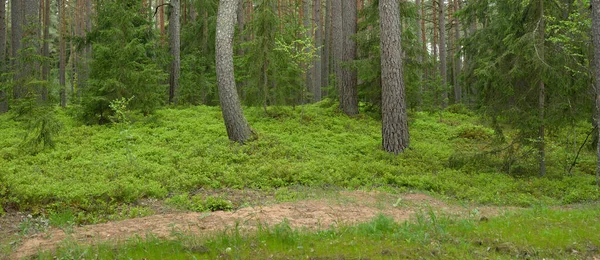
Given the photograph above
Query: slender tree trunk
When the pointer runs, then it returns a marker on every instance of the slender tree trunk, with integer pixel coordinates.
(596, 63)
(458, 93)
(542, 94)
(420, 41)
(161, 22)
(3, 59)
(46, 48)
(174, 45)
(307, 24)
(435, 32)
(325, 69)
(337, 43)
(17, 20)
(237, 127)
(349, 95)
(394, 119)
(443, 68)
(317, 71)
(63, 53)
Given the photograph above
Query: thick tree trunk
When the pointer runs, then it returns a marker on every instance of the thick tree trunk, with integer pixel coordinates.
(349, 94)
(317, 71)
(63, 53)
(174, 46)
(443, 68)
(337, 43)
(3, 59)
(394, 119)
(596, 62)
(235, 122)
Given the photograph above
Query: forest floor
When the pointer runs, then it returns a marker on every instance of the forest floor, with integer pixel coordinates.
(346, 207)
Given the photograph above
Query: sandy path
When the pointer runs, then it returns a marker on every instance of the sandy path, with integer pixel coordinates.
(350, 207)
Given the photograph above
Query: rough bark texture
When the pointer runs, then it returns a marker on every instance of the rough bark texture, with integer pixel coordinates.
(337, 43)
(443, 72)
(317, 72)
(235, 122)
(3, 97)
(62, 80)
(394, 120)
(596, 62)
(349, 94)
(435, 32)
(174, 46)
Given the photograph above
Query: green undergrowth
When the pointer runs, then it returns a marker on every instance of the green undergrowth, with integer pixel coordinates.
(538, 233)
(178, 151)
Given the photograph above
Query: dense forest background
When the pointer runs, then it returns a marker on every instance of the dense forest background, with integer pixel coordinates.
(522, 65)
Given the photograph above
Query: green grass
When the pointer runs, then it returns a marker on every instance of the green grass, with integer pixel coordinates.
(534, 233)
(96, 169)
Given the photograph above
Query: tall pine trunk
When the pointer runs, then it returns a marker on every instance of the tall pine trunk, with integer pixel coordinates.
(46, 48)
(458, 93)
(63, 53)
(317, 72)
(349, 94)
(394, 119)
(235, 122)
(174, 46)
(596, 62)
(542, 94)
(325, 59)
(3, 96)
(443, 68)
(337, 43)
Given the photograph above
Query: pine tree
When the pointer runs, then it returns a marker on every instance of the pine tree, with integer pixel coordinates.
(394, 120)
(235, 122)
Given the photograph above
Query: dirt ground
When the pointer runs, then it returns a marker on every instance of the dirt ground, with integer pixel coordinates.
(347, 208)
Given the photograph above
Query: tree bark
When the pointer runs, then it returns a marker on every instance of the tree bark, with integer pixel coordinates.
(337, 43)
(235, 122)
(349, 95)
(325, 64)
(17, 20)
(174, 45)
(394, 119)
(443, 68)
(542, 95)
(456, 58)
(317, 71)
(63, 53)
(161, 22)
(3, 96)
(46, 48)
(307, 25)
(596, 63)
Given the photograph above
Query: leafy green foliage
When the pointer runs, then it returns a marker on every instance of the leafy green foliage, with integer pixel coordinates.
(99, 168)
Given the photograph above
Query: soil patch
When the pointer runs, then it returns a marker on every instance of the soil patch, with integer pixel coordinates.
(348, 208)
